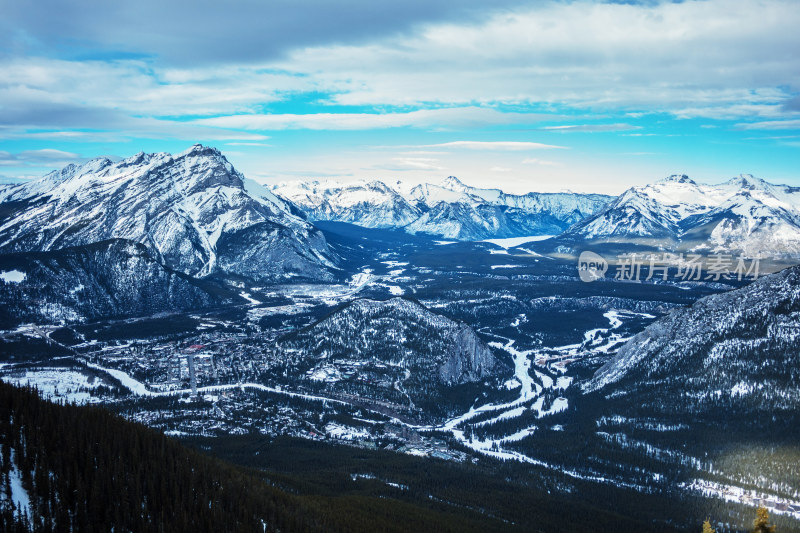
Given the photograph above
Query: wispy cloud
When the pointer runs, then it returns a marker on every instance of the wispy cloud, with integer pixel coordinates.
(661, 57)
(416, 163)
(542, 162)
(453, 117)
(514, 146)
(248, 144)
(770, 125)
(592, 128)
(130, 128)
(46, 156)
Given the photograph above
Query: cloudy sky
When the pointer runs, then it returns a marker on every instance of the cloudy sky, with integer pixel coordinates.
(581, 95)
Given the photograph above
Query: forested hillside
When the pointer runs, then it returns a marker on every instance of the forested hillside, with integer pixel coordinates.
(69, 468)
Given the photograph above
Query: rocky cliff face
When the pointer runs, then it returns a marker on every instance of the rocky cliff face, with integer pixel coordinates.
(469, 359)
(401, 332)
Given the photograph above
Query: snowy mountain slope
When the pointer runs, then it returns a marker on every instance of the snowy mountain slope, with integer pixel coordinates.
(428, 195)
(194, 211)
(449, 209)
(744, 215)
(115, 278)
(457, 211)
(371, 204)
(566, 207)
(735, 349)
(468, 222)
(457, 220)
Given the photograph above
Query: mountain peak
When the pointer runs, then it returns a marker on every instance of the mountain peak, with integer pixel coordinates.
(678, 178)
(376, 185)
(452, 182)
(747, 181)
(199, 149)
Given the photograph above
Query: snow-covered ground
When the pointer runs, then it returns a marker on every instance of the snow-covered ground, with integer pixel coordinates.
(528, 385)
(327, 373)
(339, 431)
(19, 495)
(332, 294)
(56, 384)
(13, 276)
(250, 299)
(732, 493)
(513, 242)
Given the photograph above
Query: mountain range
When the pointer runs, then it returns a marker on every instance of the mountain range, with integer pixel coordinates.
(161, 222)
(196, 214)
(745, 215)
(450, 209)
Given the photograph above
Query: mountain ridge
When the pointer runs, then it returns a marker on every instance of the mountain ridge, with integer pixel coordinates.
(449, 209)
(193, 211)
(741, 343)
(114, 278)
(744, 215)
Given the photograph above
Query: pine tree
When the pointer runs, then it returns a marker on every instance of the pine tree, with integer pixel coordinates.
(707, 527)
(760, 524)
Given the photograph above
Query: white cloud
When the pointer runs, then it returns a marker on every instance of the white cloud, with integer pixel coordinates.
(542, 162)
(418, 163)
(592, 128)
(496, 145)
(453, 117)
(668, 56)
(140, 87)
(413, 163)
(125, 129)
(771, 125)
(729, 59)
(248, 144)
(45, 156)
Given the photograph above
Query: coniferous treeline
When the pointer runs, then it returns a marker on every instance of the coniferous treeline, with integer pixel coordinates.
(85, 469)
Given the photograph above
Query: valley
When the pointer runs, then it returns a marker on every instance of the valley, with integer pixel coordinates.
(548, 331)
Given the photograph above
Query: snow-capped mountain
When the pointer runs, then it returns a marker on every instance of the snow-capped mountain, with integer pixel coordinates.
(193, 211)
(469, 222)
(449, 209)
(744, 215)
(735, 349)
(370, 204)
